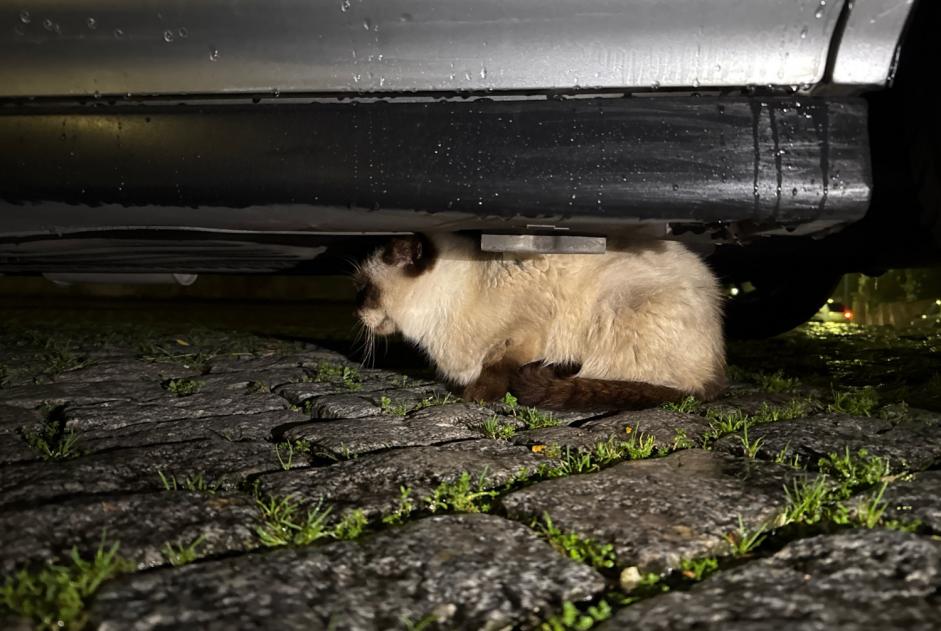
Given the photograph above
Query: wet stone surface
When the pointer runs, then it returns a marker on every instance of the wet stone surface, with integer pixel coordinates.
(859, 580)
(399, 506)
(659, 511)
(464, 571)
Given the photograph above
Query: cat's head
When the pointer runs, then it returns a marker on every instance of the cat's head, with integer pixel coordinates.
(384, 280)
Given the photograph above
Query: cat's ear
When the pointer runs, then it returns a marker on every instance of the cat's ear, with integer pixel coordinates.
(414, 254)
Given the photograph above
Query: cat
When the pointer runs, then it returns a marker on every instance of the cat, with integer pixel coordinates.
(634, 327)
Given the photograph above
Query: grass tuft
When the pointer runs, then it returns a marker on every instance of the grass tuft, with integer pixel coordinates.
(860, 402)
(55, 596)
(464, 495)
(575, 546)
(496, 430)
(179, 554)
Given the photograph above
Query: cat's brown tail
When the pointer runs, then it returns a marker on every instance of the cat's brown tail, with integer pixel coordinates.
(541, 385)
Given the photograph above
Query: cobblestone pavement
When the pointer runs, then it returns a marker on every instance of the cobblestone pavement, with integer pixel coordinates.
(169, 476)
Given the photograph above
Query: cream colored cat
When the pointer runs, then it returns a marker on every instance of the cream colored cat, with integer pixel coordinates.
(634, 327)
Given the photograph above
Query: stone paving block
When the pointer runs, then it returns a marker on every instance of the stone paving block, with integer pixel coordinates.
(428, 426)
(912, 444)
(235, 427)
(299, 393)
(860, 580)
(119, 368)
(665, 426)
(163, 406)
(333, 406)
(134, 469)
(142, 524)
(372, 483)
(916, 499)
(79, 393)
(468, 571)
(658, 511)
(14, 422)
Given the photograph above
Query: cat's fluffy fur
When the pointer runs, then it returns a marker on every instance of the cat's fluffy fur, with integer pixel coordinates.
(638, 325)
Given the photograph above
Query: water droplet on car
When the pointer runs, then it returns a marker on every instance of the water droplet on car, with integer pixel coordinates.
(818, 13)
(483, 73)
(655, 85)
(676, 187)
(344, 6)
(47, 24)
(25, 17)
(119, 33)
(213, 53)
(91, 23)
(804, 33)
(168, 36)
(367, 24)
(183, 32)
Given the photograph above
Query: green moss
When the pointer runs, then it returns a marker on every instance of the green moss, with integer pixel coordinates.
(55, 596)
(182, 386)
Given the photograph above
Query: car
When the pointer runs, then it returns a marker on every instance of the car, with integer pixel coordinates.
(790, 141)
(833, 311)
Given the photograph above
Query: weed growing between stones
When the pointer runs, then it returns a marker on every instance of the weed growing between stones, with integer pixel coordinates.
(776, 382)
(180, 554)
(285, 451)
(574, 546)
(403, 510)
(698, 569)
(347, 376)
(258, 387)
(192, 483)
(54, 597)
(604, 453)
(465, 495)
(860, 402)
(842, 476)
(689, 405)
(182, 386)
(496, 430)
(743, 541)
(533, 418)
(351, 526)
(571, 618)
(681, 440)
(395, 409)
(722, 422)
(283, 525)
(52, 441)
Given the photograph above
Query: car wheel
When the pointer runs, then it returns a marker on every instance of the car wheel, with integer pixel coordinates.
(769, 306)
